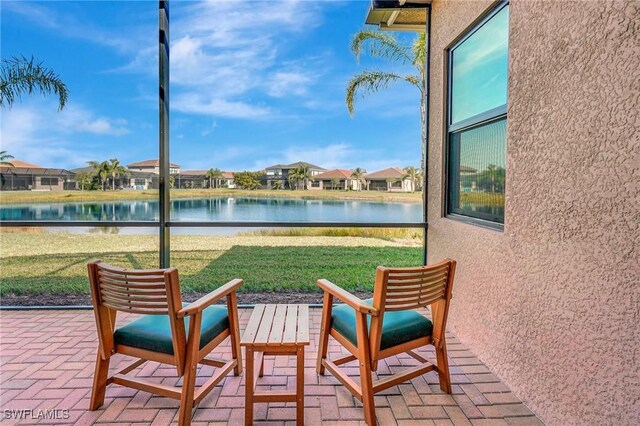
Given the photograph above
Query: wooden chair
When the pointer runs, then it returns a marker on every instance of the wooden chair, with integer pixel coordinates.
(387, 325)
(160, 334)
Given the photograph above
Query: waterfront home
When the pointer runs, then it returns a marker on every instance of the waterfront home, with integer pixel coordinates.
(20, 175)
(152, 166)
(336, 179)
(227, 180)
(280, 173)
(392, 179)
(134, 180)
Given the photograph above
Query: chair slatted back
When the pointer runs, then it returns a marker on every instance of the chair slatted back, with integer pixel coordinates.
(139, 292)
(145, 292)
(401, 289)
(412, 288)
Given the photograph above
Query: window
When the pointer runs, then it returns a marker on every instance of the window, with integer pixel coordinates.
(49, 181)
(477, 121)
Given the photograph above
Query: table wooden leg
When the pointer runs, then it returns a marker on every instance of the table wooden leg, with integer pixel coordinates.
(300, 387)
(248, 387)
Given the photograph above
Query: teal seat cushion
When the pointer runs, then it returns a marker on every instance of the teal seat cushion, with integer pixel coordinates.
(397, 326)
(153, 332)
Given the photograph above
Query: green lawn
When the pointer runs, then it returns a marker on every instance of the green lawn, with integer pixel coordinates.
(264, 268)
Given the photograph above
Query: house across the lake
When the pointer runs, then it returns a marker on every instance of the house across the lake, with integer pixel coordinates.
(18, 175)
(280, 173)
(392, 179)
(152, 166)
(134, 180)
(190, 179)
(339, 179)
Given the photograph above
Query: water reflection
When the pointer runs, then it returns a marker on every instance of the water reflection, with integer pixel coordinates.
(222, 209)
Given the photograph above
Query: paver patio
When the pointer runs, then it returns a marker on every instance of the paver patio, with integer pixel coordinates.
(47, 360)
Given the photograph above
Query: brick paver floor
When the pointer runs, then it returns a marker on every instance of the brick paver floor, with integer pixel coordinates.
(47, 360)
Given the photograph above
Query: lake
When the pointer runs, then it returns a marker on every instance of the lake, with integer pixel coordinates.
(221, 209)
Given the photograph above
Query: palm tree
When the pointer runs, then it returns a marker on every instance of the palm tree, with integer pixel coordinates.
(414, 176)
(102, 170)
(386, 46)
(358, 174)
(276, 184)
(3, 159)
(214, 174)
(20, 75)
(302, 173)
(116, 169)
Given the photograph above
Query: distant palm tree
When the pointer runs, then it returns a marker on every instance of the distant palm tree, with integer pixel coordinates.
(386, 46)
(302, 173)
(3, 159)
(358, 174)
(116, 169)
(20, 75)
(214, 175)
(102, 170)
(276, 184)
(414, 176)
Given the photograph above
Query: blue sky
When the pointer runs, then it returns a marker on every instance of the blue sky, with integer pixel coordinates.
(253, 83)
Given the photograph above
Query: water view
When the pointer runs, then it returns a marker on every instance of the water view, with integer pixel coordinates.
(221, 209)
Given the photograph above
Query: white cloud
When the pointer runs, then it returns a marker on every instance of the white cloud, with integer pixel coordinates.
(76, 119)
(35, 131)
(197, 104)
(285, 83)
(340, 155)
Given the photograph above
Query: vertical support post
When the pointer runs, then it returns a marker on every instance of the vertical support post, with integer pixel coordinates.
(425, 174)
(164, 184)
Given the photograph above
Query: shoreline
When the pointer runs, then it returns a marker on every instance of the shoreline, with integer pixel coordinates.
(10, 198)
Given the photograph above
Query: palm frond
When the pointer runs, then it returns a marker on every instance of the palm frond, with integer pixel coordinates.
(381, 45)
(20, 75)
(419, 50)
(372, 81)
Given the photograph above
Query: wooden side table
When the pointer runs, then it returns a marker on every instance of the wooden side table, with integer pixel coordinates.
(275, 330)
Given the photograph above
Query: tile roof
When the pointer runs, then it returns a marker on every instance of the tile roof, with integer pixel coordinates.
(149, 163)
(390, 173)
(20, 163)
(295, 165)
(336, 173)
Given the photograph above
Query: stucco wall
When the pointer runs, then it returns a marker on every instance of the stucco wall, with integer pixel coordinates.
(552, 303)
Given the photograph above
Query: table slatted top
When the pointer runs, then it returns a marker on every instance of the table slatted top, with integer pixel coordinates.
(277, 325)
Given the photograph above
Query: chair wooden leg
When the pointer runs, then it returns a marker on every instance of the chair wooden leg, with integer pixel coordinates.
(99, 383)
(190, 371)
(364, 359)
(323, 343)
(234, 325)
(443, 367)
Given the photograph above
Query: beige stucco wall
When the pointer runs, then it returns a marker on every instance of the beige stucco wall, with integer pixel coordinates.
(552, 303)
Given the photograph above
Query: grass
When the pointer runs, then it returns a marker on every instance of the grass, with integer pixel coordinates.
(264, 268)
(492, 199)
(390, 234)
(18, 197)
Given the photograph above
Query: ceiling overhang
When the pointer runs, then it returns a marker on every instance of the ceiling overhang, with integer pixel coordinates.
(398, 15)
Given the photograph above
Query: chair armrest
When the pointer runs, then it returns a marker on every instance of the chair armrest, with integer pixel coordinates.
(348, 298)
(209, 299)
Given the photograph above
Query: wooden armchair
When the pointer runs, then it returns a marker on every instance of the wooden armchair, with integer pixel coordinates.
(387, 325)
(161, 333)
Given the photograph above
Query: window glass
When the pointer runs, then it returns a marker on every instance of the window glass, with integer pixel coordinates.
(479, 69)
(477, 171)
